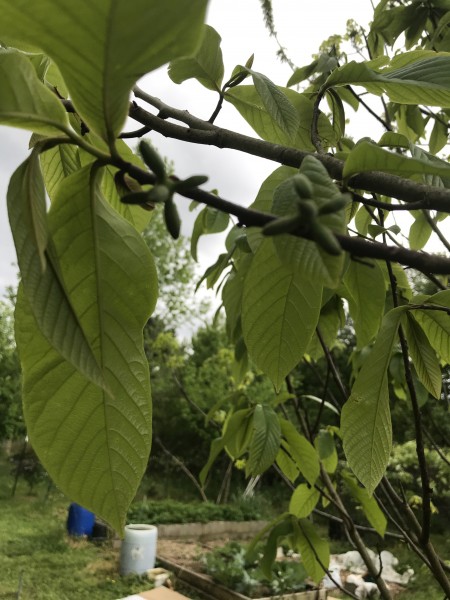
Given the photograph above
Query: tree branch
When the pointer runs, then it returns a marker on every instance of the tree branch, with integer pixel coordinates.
(202, 132)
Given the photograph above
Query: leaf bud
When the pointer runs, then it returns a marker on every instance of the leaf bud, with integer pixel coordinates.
(153, 160)
(303, 186)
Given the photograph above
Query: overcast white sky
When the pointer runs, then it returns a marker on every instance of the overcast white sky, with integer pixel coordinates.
(301, 28)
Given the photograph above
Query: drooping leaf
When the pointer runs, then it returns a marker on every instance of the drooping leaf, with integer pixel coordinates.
(25, 101)
(280, 310)
(217, 445)
(277, 533)
(439, 136)
(232, 295)
(286, 465)
(239, 432)
(366, 419)
(102, 48)
(419, 232)
(265, 441)
(205, 65)
(326, 448)
(314, 550)
(370, 506)
(423, 356)
(418, 77)
(209, 220)
(332, 318)
(365, 291)
(247, 101)
(436, 324)
(302, 452)
(58, 163)
(93, 439)
(303, 501)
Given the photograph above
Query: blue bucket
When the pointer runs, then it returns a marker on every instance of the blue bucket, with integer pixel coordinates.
(80, 521)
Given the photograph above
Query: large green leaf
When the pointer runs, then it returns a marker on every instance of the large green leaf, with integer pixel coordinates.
(436, 324)
(232, 295)
(209, 220)
(277, 104)
(205, 65)
(366, 156)
(365, 290)
(40, 272)
(302, 452)
(248, 102)
(366, 419)
(372, 511)
(332, 318)
(265, 441)
(418, 77)
(315, 551)
(280, 310)
(423, 356)
(103, 47)
(303, 500)
(94, 440)
(25, 101)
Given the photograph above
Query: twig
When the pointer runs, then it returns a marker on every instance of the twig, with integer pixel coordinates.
(183, 467)
(385, 124)
(330, 361)
(315, 138)
(136, 133)
(435, 446)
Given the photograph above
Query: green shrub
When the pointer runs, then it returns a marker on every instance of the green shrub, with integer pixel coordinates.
(171, 511)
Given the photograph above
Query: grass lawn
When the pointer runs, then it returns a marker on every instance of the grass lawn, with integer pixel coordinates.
(37, 556)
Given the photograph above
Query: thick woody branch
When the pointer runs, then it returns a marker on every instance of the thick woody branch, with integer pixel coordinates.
(431, 198)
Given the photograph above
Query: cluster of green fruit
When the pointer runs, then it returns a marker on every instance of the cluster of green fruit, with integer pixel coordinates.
(305, 221)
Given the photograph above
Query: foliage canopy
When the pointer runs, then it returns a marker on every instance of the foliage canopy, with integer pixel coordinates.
(319, 237)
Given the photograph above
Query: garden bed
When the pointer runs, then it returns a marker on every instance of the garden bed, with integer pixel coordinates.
(209, 587)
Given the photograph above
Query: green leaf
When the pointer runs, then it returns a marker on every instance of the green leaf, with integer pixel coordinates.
(217, 445)
(311, 546)
(247, 101)
(287, 466)
(368, 157)
(25, 101)
(232, 295)
(93, 439)
(280, 310)
(372, 511)
(419, 232)
(28, 218)
(44, 287)
(326, 448)
(239, 432)
(338, 113)
(302, 452)
(332, 318)
(423, 356)
(366, 419)
(302, 73)
(264, 199)
(209, 220)
(103, 48)
(281, 530)
(205, 65)
(57, 164)
(436, 324)
(305, 255)
(438, 137)
(303, 500)
(266, 440)
(418, 77)
(277, 104)
(365, 291)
